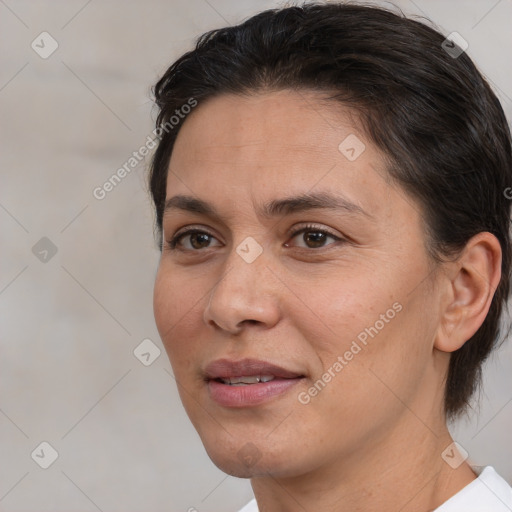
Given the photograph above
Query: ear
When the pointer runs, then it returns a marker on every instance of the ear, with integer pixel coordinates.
(472, 281)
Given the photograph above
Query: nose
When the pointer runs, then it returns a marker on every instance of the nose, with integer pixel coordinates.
(246, 293)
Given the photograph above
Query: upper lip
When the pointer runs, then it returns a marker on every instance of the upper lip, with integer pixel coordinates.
(226, 368)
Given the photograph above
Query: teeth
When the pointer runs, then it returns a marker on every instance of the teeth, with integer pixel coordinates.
(246, 380)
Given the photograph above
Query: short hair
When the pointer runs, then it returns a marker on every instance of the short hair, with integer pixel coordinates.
(431, 113)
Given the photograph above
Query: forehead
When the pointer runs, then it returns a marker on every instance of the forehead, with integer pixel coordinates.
(269, 122)
(276, 144)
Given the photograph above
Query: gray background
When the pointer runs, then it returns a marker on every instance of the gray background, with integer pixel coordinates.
(69, 325)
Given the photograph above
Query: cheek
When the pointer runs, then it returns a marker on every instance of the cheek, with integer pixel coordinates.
(175, 308)
(346, 310)
(363, 385)
(164, 306)
(378, 329)
(386, 358)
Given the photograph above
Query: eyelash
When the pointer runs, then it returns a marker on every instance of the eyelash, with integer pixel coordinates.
(173, 242)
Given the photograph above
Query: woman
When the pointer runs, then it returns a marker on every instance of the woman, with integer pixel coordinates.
(330, 202)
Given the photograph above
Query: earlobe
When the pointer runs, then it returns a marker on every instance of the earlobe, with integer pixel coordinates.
(450, 338)
(473, 282)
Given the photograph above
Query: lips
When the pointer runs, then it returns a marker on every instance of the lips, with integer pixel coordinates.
(248, 382)
(224, 369)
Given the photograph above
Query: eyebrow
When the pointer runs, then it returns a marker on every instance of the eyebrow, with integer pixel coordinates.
(274, 208)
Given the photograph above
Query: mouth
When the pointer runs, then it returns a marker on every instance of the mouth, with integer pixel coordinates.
(249, 370)
(248, 382)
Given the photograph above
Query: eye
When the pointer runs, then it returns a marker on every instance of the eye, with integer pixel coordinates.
(199, 239)
(316, 236)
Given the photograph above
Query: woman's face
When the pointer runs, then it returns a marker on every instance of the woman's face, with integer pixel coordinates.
(341, 306)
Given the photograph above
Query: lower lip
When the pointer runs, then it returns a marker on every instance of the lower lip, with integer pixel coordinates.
(251, 394)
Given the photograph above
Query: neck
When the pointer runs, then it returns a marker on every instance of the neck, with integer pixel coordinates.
(402, 471)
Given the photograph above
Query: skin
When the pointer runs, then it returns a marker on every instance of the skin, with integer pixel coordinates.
(372, 438)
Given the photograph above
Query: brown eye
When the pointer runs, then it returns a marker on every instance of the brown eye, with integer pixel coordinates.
(314, 237)
(198, 240)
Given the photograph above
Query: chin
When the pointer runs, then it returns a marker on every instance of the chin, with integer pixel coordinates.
(244, 458)
(236, 469)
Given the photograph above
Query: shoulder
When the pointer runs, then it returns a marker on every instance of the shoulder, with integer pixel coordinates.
(487, 493)
(250, 507)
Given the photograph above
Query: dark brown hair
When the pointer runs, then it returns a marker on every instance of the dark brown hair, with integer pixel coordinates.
(431, 113)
